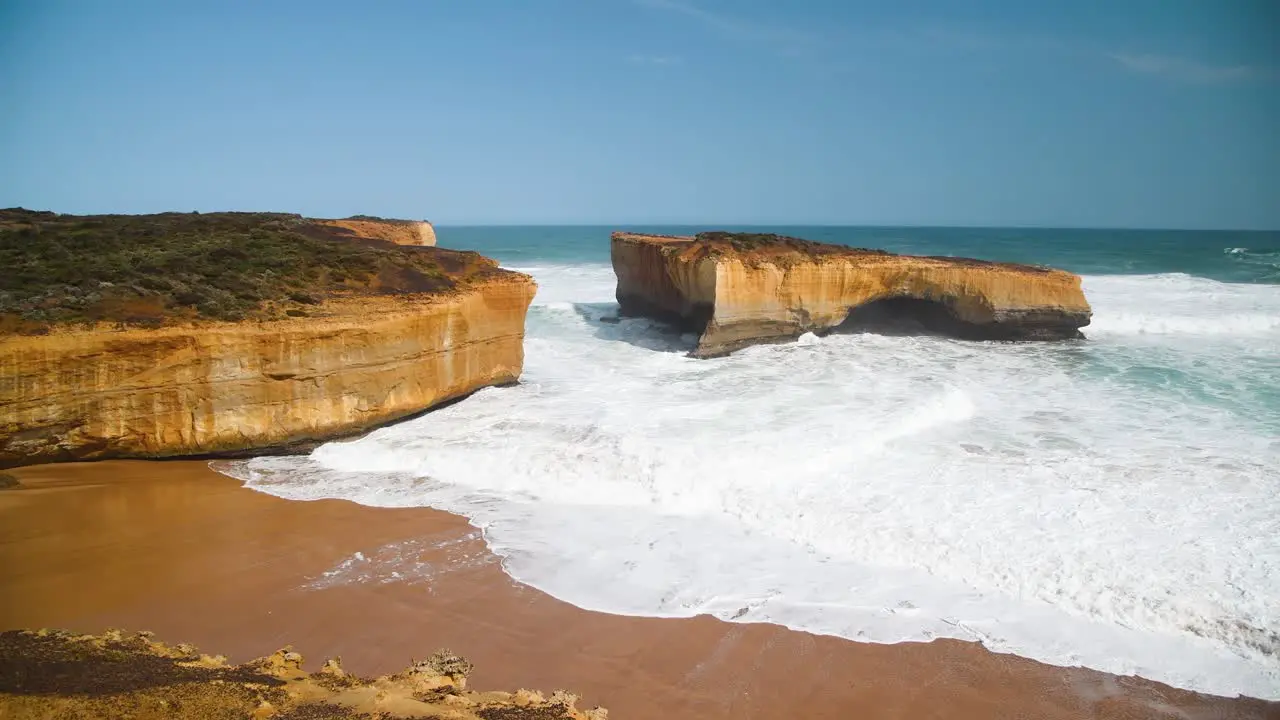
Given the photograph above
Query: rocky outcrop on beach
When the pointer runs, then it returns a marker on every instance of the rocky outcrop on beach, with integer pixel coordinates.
(57, 674)
(736, 290)
(367, 333)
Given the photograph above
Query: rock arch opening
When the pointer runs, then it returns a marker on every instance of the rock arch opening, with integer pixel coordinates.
(907, 316)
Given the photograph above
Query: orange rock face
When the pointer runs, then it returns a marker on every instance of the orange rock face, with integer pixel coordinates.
(740, 290)
(400, 232)
(76, 394)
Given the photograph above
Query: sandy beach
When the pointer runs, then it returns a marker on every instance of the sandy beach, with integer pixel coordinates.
(181, 550)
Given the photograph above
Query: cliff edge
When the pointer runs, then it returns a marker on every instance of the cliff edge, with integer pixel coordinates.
(231, 333)
(400, 232)
(737, 289)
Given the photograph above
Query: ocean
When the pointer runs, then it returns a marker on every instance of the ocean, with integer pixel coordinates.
(1112, 503)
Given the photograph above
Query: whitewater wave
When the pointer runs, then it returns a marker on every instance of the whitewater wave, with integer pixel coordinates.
(1112, 504)
(1179, 304)
(1167, 324)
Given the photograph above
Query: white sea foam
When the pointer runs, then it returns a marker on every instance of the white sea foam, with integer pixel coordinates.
(402, 562)
(1113, 503)
(1181, 305)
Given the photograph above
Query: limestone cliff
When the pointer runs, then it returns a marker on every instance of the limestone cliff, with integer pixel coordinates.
(737, 290)
(332, 336)
(224, 387)
(400, 232)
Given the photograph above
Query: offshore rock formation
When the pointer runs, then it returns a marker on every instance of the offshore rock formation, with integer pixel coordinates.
(57, 674)
(404, 330)
(737, 290)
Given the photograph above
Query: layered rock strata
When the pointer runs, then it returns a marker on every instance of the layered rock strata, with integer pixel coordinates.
(219, 388)
(736, 290)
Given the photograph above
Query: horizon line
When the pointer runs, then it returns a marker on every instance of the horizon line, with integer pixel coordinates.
(634, 224)
(856, 225)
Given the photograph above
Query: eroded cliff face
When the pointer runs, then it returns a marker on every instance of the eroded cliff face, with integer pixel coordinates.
(210, 388)
(400, 232)
(654, 281)
(739, 290)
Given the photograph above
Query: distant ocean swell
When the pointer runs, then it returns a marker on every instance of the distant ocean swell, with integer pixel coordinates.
(1113, 503)
(1267, 262)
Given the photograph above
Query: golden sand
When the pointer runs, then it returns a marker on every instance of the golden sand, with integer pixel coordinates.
(178, 549)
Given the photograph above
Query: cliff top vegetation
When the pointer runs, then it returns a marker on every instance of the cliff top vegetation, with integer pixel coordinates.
(147, 270)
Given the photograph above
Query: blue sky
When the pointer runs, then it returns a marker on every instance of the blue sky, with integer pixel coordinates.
(1128, 113)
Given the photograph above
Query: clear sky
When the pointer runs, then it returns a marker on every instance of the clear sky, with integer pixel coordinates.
(1118, 113)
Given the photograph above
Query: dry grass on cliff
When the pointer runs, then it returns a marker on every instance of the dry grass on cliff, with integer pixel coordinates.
(771, 244)
(147, 270)
(784, 248)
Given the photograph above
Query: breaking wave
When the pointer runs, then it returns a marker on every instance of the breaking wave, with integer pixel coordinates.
(1113, 503)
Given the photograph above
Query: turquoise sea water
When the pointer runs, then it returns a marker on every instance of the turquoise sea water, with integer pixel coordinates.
(1112, 502)
(1227, 256)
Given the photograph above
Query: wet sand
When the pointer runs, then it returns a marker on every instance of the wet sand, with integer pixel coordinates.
(178, 549)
